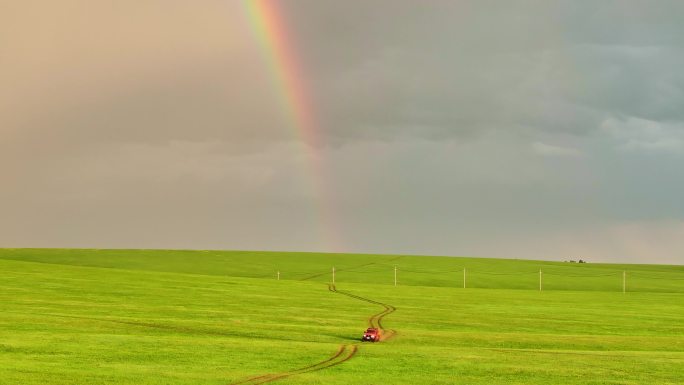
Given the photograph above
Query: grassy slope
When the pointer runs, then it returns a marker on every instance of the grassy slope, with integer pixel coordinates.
(355, 268)
(182, 317)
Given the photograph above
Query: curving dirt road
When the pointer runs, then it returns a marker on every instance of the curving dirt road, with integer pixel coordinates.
(345, 269)
(344, 353)
(374, 321)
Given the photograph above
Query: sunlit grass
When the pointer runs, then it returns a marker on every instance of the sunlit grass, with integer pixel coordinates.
(183, 317)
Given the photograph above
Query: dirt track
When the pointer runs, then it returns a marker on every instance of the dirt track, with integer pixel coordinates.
(341, 269)
(345, 269)
(344, 353)
(374, 321)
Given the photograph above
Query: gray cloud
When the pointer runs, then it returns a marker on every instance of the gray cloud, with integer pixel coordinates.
(452, 68)
(524, 129)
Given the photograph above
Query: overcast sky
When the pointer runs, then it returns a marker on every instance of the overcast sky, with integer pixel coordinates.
(519, 129)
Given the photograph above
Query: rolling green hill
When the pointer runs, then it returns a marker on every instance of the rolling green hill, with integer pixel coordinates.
(212, 317)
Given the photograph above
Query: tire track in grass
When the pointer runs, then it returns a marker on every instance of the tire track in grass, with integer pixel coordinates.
(343, 354)
(345, 269)
(374, 321)
(338, 270)
(151, 325)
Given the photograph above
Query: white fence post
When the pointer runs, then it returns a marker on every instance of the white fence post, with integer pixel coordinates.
(278, 275)
(540, 280)
(333, 275)
(395, 276)
(464, 278)
(624, 282)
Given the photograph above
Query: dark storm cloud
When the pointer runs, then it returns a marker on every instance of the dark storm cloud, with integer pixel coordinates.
(388, 68)
(522, 129)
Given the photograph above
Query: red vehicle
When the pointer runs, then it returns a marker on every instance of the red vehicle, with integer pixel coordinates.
(371, 334)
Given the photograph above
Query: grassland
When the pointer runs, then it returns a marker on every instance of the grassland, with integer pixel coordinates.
(208, 317)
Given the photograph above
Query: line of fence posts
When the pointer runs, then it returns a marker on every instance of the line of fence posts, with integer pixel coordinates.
(624, 278)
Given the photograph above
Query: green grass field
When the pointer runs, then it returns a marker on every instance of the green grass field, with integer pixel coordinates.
(210, 317)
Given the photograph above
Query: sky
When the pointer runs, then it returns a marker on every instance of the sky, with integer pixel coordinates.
(513, 129)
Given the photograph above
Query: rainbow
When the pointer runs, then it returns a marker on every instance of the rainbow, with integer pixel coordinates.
(269, 26)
